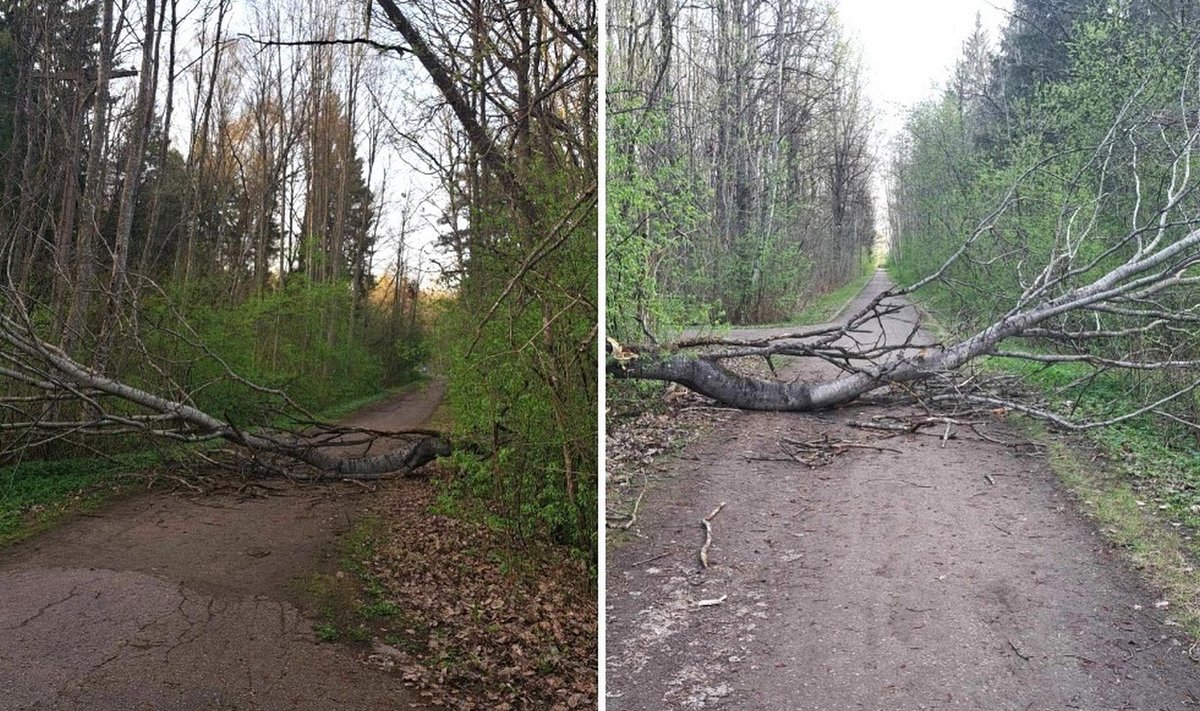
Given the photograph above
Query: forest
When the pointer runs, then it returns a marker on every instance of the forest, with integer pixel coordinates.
(1043, 208)
(739, 163)
(227, 224)
(1058, 163)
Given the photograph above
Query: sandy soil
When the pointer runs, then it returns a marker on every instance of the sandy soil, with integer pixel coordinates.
(174, 602)
(955, 577)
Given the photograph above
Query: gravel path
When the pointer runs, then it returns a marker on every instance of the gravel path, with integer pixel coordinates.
(930, 577)
(173, 602)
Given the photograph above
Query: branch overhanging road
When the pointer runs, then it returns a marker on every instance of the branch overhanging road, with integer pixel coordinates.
(919, 574)
(183, 602)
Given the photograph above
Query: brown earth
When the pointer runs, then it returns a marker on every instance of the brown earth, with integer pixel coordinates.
(183, 601)
(929, 577)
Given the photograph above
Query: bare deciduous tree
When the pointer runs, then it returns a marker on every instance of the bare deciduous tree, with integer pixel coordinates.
(1112, 301)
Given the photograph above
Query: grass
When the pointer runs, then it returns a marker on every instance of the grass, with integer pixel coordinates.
(350, 604)
(826, 306)
(341, 410)
(36, 495)
(1131, 521)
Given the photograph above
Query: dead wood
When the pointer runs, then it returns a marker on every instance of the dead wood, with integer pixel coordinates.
(707, 523)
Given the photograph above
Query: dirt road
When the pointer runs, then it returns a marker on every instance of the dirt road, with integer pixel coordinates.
(885, 580)
(179, 602)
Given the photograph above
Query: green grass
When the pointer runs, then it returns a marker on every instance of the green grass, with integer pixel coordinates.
(350, 604)
(824, 307)
(339, 411)
(35, 495)
(1149, 536)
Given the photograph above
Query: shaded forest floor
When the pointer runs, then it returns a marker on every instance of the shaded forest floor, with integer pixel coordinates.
(268, 595)
(859, 569)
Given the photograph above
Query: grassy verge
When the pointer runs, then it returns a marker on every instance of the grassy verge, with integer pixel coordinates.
(1140, 487)
(1148, 531)
(825, 307)
(36, 495)
(350, 604)
(341, 410)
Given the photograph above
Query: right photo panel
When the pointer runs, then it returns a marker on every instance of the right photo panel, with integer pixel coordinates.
(903, 355)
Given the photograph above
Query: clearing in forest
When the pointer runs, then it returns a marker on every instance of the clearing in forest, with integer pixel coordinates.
(857, 567)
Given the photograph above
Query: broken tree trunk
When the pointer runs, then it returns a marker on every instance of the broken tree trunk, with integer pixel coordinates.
(34, 362)
(872, 363)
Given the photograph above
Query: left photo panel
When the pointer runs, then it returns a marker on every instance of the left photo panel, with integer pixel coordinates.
(298, 354)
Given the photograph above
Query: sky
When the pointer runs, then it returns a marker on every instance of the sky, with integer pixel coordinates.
(909, 48)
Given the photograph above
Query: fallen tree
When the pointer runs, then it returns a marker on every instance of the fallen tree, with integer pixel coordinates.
(66, 393)
(104, 410)
(1123, 302)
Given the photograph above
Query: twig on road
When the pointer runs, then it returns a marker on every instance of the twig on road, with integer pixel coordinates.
(633, 514)
(651, 559)
(712, 602)
(1020, 654)
(901, 481)
(707, 523)
(629, 518)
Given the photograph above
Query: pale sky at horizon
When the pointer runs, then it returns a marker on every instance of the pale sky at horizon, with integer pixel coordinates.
(909, 48)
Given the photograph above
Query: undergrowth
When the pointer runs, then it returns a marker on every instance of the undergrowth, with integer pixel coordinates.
(35, 495)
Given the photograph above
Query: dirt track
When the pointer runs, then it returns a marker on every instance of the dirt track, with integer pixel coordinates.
(179, 602)
(882, 581)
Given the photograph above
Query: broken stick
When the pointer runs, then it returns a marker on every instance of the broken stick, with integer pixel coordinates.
(707, 523)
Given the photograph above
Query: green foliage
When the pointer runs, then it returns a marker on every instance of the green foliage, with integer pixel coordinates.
(666, 268)
(1066, 165)
(8, 91)
(35, 494)
(1087, 151)
(301, 339)
(651, 211)
(519, 350)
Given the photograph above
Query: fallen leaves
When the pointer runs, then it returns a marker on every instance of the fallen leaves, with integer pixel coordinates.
(650, 428)
(485, 621)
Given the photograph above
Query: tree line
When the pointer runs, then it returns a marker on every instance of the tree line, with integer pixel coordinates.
(739, 162)
(1061, 150)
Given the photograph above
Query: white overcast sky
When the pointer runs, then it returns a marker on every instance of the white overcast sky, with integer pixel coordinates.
(909, 48)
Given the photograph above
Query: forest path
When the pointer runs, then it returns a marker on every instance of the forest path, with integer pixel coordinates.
(180, 602)
(928, 577)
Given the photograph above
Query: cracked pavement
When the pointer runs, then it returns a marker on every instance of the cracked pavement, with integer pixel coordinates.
(174, 603)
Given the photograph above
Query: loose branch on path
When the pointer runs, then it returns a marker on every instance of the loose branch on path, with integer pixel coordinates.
(821, 451)
(901, 481)
(631, 517)
(707, 523)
